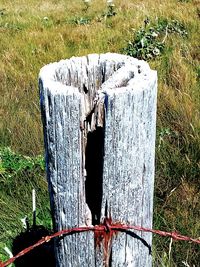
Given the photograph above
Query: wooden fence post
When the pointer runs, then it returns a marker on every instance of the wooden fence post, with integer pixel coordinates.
(99, 120)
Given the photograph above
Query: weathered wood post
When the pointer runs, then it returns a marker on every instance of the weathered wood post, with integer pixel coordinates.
(99, 119)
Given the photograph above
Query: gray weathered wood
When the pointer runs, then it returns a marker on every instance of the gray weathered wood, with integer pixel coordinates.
(99, 117)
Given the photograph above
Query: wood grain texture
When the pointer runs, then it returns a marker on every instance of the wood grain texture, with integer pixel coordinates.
(99, 118)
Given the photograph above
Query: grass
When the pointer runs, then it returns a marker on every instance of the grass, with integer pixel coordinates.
(34, 33)
(18, 176)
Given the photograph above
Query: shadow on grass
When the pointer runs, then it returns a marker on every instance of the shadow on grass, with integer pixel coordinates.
(40, 256)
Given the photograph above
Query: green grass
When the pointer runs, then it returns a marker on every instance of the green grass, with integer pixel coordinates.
(34, 33)
(18, 176)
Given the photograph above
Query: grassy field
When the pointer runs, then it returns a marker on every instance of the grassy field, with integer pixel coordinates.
(34, 33)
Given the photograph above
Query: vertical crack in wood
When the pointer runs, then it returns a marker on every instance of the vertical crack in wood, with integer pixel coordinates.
(93, 153)
(110, 259)
(106, 209)
(94, 171)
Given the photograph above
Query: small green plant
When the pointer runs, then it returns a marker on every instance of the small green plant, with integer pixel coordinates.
(149, 42)
(80, 21)
(11, 26)
(164, 133)
(12, 163)
(173, 26)
(47, 22)
(145, 45)
(111, 10)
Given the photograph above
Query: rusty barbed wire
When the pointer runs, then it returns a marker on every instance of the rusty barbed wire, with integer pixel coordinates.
(106, 226)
